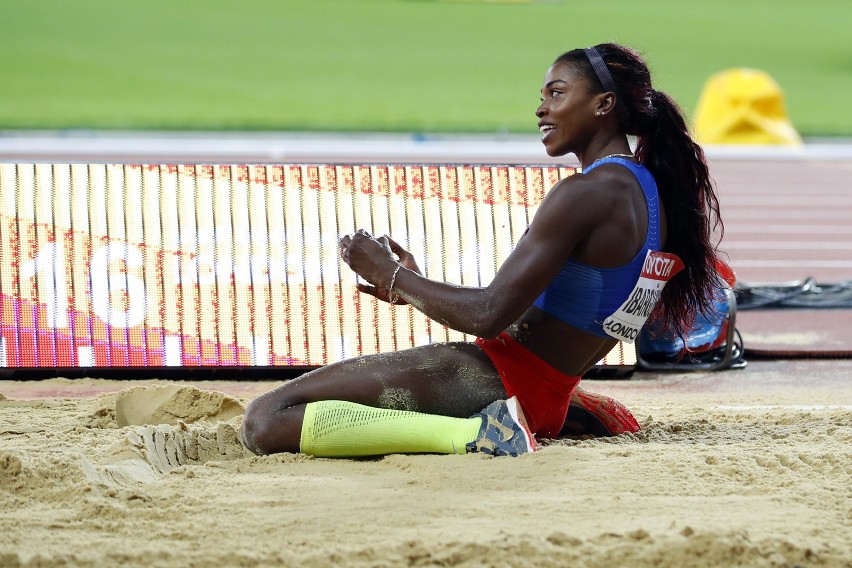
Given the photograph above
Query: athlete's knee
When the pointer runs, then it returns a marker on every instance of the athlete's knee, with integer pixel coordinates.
(250, 428)
(267, 429)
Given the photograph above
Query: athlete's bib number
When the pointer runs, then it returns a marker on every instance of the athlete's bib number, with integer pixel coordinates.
(626, 322)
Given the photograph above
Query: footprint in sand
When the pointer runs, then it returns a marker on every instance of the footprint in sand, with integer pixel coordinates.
(148, 452)
(162, 440)
(167, 447)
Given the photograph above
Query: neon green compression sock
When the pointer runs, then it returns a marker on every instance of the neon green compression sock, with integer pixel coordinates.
(335, 428)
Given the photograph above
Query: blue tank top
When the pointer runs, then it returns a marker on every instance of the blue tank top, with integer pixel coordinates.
(583, 296)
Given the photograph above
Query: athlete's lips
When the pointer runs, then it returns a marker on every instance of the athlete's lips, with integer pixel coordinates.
(546, 130)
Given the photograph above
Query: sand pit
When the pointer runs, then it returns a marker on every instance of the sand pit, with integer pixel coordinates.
(742, 468)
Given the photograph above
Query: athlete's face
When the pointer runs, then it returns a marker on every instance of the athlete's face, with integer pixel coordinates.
(567, 110)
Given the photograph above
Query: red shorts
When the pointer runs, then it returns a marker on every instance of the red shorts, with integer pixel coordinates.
(543, 392)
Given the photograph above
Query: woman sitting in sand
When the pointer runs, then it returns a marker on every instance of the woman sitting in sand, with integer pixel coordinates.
(540, 322)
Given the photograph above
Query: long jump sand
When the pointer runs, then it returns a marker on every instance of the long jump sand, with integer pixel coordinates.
(735, 468)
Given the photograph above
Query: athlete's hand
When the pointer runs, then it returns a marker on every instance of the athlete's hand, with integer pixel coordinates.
(405, 258)
(375, 260)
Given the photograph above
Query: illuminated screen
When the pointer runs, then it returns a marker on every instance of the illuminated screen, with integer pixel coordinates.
(234, 265)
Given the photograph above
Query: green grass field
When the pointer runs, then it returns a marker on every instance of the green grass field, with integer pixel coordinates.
(404, 65)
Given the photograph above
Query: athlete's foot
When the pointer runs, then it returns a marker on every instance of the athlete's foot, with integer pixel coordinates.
(504, 430)
(597, 415)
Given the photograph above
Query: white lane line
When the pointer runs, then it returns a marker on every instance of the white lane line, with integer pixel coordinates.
(805, 407)
(778, 202)
(811, 150)
(777, 214)
(753, 263)
(787, 245)
(767, 193)
(787, 229)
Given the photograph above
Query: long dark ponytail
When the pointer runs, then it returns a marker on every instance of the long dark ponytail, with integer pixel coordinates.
(665, 147)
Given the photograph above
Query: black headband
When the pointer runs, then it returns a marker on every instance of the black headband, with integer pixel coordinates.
(601, 70)
(605, 77)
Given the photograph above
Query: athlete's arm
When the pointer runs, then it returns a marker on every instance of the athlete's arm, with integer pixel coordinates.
(569, 213)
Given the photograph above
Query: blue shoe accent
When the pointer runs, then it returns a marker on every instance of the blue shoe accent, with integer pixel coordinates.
(504, 430)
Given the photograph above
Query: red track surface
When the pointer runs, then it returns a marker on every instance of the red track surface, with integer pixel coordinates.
(785, 221)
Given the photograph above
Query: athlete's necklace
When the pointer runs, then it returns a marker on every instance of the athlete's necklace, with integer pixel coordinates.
(615, 156)
(610, 156)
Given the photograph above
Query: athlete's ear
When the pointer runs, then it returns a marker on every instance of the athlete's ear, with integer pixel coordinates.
(605, 103)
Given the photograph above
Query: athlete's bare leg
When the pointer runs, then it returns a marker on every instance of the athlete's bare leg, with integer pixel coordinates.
(450, 379)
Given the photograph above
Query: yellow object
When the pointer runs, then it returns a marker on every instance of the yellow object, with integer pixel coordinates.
(336, 428)
(743, 106)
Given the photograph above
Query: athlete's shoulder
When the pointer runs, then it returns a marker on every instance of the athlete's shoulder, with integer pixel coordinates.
(600, 186)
